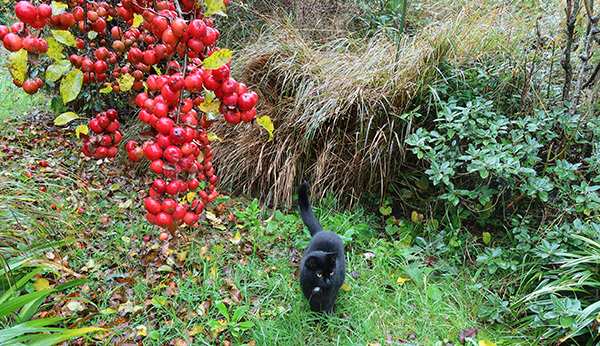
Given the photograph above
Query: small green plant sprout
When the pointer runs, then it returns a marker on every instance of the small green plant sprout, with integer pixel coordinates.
(230, 324)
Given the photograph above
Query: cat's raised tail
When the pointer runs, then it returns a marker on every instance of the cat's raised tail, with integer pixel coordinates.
(306, 210)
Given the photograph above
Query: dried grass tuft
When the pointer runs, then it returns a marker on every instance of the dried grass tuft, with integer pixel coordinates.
(337, 106)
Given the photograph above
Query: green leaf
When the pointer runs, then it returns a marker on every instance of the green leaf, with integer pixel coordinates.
(71, 84)
(265, 122)
(434, 292)
(56, 70)
(217, 59)
(385, 211)
(54, 49)
(15, 303)
(30, 309)
(65, 37)
(10, 335)
(65, 118)
(22, 281)
(51, 339)
(487, 238)
(214, 7)
(92, 35)
(18, 65)
(126, 82)
(238, 313)
(246, 325)
(223, 309)
(213, 137)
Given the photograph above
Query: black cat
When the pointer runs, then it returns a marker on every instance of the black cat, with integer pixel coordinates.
(323, 267)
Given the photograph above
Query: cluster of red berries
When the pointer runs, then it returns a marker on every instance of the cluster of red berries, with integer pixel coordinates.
(179, 101)
(182, 156)
(105, 136)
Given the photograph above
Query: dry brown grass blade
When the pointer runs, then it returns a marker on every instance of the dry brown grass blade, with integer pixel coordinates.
(336, 106)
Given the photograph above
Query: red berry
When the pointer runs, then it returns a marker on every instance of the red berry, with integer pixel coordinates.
(153, 152)
(168, 205)
(163, 219)
(26, 12)
(153, 205)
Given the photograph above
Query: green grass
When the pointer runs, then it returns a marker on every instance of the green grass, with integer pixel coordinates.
(14, 101)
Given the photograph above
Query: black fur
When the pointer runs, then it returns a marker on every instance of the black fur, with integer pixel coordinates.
(323, 267)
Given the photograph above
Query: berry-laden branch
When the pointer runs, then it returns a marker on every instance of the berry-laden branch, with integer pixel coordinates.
(163, 50)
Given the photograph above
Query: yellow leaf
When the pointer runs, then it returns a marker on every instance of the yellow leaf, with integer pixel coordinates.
(81, 129)
(107, 89)
(56, 70)
(54, 49)
(190, 196)
(402, 280)
(214, 7)
(486, 343)
(416, 217)
(70, 86)
(126, 82)
(194, 330)
(18, 65)
(236, 239)
(157, 70)
(65, 118)
(265, 122)
(346, 287)
(108, 311)
(92, 35)
(57, 8)
(213, 273)
(210, 106)
(213, 136)
(125, 205)
(158, 301)
(41, 284)
(65, 37)
(142, 330)
(217, 59)
(137, 20)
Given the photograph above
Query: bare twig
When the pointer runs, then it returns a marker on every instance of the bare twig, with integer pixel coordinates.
(571, 11)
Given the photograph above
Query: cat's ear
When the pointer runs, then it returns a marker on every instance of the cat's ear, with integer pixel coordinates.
(331, 257)
(311, 262)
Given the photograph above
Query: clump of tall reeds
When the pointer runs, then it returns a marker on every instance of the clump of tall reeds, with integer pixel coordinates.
(342, 109)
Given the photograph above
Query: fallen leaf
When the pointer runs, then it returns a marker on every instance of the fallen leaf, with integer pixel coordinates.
(75, 305)
(346, 287)
(467, 333)
(41, 284)
(369, 255)
(142, 330)
(178, 342)
(237, 238)
(429, 260)
(402, 280)
(486, 343)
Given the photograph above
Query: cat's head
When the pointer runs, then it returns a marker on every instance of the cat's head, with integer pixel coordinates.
(321, 266)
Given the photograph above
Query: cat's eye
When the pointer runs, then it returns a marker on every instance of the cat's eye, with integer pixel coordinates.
(331, 274)
(319, 275)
